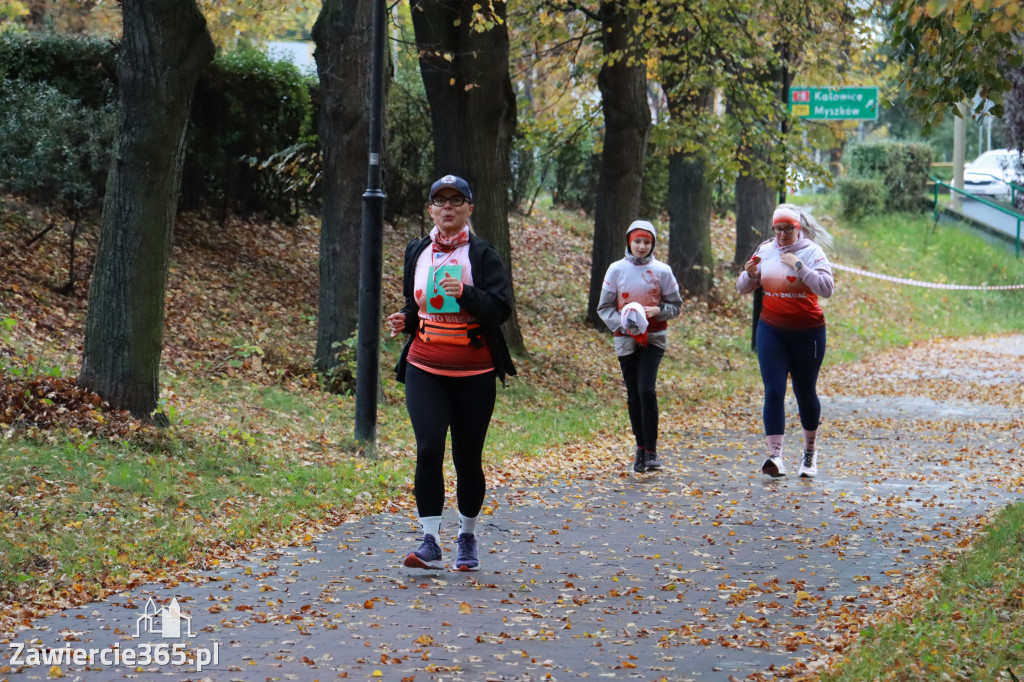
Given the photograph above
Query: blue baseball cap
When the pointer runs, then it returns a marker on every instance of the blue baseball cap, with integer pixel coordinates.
(452, 182)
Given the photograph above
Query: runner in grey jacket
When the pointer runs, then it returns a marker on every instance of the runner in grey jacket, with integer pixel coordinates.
(641, 278)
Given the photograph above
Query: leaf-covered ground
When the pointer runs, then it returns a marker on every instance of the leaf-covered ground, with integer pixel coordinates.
(238, 350)
(706, 570)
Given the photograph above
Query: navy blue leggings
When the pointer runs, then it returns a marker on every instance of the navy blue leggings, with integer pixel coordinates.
(463, 404)
(790, 352)
(640, 373)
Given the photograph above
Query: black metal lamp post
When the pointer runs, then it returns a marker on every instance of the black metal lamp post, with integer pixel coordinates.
(372, 253)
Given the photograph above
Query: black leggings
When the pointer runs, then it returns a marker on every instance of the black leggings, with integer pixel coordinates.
(640, 372)
(437, 403)
(795, 353)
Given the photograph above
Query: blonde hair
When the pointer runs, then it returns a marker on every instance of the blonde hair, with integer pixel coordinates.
(810, 227)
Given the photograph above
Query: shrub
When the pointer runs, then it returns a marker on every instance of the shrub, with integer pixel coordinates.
(525, 173)
(902, 168)
(83, 69)
(654, 195)
(861, 197)
(246, 109)
(577, 167)
(53, 150)
(409, 145)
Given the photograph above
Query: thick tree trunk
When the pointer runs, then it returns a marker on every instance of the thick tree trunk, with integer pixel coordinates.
(627, 121)
(691, 193)
(473, 112)
(755, 203)
(689, 209)
(343, 40)
(165, 47)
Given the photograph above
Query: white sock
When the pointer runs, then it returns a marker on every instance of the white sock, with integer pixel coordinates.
(467, 524)
(774, 445)
(810, 440)
(431, 526)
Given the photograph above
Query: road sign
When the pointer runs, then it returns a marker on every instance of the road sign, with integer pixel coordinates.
(834, 103)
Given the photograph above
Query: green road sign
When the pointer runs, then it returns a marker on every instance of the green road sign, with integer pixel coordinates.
(834, 103)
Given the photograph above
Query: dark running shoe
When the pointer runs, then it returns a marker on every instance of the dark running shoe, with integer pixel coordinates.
(640, 463)
(467, 559)
(652, 461)
(427, 556)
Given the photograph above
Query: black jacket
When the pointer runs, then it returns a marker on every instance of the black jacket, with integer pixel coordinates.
(489, 300)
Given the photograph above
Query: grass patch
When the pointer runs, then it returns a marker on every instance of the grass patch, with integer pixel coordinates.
(88, 515)
(970, 626)
(867, 314)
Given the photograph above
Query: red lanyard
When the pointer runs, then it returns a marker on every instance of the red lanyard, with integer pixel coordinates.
(437, 267)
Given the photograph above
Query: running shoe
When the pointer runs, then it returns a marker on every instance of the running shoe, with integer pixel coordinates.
(652, 461)
(427, 556)
(640, 463)
(773, 466)
(467, 559)
(809, 464)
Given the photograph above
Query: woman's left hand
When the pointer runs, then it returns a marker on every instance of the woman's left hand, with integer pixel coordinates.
(651, 311)
(789, 259)
(451, 286)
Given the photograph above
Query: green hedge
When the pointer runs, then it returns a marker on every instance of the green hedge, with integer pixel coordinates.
(901, 167)
(83, 69)
(52, 149)
(861, 197)
(246, 109)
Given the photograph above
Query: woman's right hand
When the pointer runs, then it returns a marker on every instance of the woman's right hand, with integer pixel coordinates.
(397, 323)
(751, 267)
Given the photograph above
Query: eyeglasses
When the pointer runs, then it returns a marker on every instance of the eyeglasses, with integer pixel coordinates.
(455, 201)
(787, 229)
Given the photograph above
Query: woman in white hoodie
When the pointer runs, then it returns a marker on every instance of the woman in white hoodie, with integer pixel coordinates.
(794, 271)
(638, 298)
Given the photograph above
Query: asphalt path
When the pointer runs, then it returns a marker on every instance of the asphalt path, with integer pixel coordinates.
(707, 570)
(999, 222)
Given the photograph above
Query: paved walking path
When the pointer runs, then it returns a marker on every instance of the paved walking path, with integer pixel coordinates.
(703, 571)
(997, 222)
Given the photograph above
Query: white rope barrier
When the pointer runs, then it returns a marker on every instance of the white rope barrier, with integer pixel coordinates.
(927, 285)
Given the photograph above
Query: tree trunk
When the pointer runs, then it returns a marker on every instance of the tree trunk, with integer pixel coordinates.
(689, 209)
(473, 113)
(165, 47)
(691, 194)
(627, 121)
(755, 203)
(343, 41)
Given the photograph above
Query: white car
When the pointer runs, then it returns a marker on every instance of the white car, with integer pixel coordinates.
(989, 174)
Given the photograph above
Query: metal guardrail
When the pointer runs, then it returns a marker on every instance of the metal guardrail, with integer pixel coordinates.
(991, 204)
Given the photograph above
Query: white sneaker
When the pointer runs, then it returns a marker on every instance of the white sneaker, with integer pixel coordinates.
(809, 464)
(773, 466)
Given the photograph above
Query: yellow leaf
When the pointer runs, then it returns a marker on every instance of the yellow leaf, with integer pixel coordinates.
(465, 608)
(55, 671)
